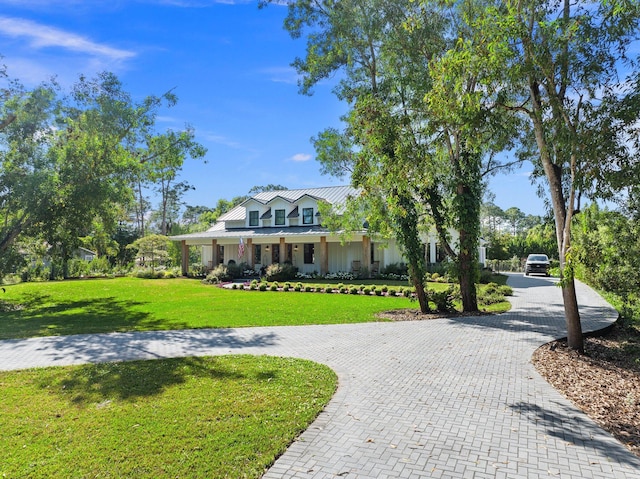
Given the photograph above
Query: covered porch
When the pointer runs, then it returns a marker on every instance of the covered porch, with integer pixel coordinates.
(309, 251)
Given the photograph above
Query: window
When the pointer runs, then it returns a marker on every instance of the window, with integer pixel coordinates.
(257, 253)
(309, 257)
(253, 218)
(307, 216)
(279, 217)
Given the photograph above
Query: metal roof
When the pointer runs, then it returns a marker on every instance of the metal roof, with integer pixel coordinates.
(335, 195)
(256, 233)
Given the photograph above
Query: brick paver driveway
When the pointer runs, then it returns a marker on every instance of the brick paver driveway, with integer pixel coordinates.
(447, 398)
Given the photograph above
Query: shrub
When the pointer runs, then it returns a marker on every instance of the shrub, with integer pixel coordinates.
(385, 289)
(219, 274)
(328, 289)
(366, 291)
(298, 288)
(353, 290)
(443, 300)
(308, 289)
(485, 299)
(286, 287)
(234, 286)
(502, 289)
(197, 271)
(263, 287)
(280, 272)
(148, 273)
(274, 287)
(319, 289)
(398, 269)
(392, 292)
(486, 276)
(99, 266)
(493, 293)
(340, 275)
(378, 292)
(36, 272)
(171, 273)
(343, 290)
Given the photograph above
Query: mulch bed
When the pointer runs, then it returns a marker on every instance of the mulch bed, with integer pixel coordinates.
(415, 315)
(604, 382)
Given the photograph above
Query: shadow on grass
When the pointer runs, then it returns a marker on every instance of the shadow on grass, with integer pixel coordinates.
(38, 315)
(95, 383)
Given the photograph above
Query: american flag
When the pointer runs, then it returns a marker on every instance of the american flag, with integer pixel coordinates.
(241, 249)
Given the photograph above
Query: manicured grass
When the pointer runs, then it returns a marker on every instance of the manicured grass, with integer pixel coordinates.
(217, 417)
(132, 304)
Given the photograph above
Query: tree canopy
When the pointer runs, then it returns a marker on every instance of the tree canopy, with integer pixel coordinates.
(68, 160)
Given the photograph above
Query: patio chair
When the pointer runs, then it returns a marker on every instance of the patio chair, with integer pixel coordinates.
(375, 268)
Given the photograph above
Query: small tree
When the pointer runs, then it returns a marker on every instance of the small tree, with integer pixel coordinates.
(152, 250)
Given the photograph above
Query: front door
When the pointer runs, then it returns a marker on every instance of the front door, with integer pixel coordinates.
(275, 253)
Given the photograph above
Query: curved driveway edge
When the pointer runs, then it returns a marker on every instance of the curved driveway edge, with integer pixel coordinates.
(446, 398)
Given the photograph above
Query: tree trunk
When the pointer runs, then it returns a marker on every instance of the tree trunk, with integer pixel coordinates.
(575, 339)
(466, 276)
(553, 173)
(422, 296)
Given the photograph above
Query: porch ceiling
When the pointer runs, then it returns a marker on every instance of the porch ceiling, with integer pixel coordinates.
(233, 235)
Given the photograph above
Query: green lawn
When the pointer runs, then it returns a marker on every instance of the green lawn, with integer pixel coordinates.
(224, 417)
(191, 417)
(132, 304)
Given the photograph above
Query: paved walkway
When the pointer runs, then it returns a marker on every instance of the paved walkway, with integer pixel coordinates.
(448, 398)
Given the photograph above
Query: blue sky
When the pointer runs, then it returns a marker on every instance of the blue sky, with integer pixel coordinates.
(229, 64)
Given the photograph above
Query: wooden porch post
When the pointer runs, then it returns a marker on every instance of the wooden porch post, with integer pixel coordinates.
(283, 250)
(250, 250)
(324, 256)
(366, 253)
(214, 253)
(185, 258)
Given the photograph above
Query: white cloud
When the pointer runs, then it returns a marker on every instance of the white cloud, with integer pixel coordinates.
(43, 36)
(286, 75)
(300, 157)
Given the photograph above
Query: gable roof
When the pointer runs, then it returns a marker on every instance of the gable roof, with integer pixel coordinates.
(334, 195)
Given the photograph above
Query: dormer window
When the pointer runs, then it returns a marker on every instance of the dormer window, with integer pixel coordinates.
(307, 216)
(280, 215)
(254, 219)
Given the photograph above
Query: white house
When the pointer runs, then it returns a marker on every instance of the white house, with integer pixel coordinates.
(285, 226)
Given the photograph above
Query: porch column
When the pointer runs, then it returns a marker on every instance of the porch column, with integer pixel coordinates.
(250, 250)
(185, 258)
(283, 251)
(366, 253)
(324, 256)
(214, 253)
